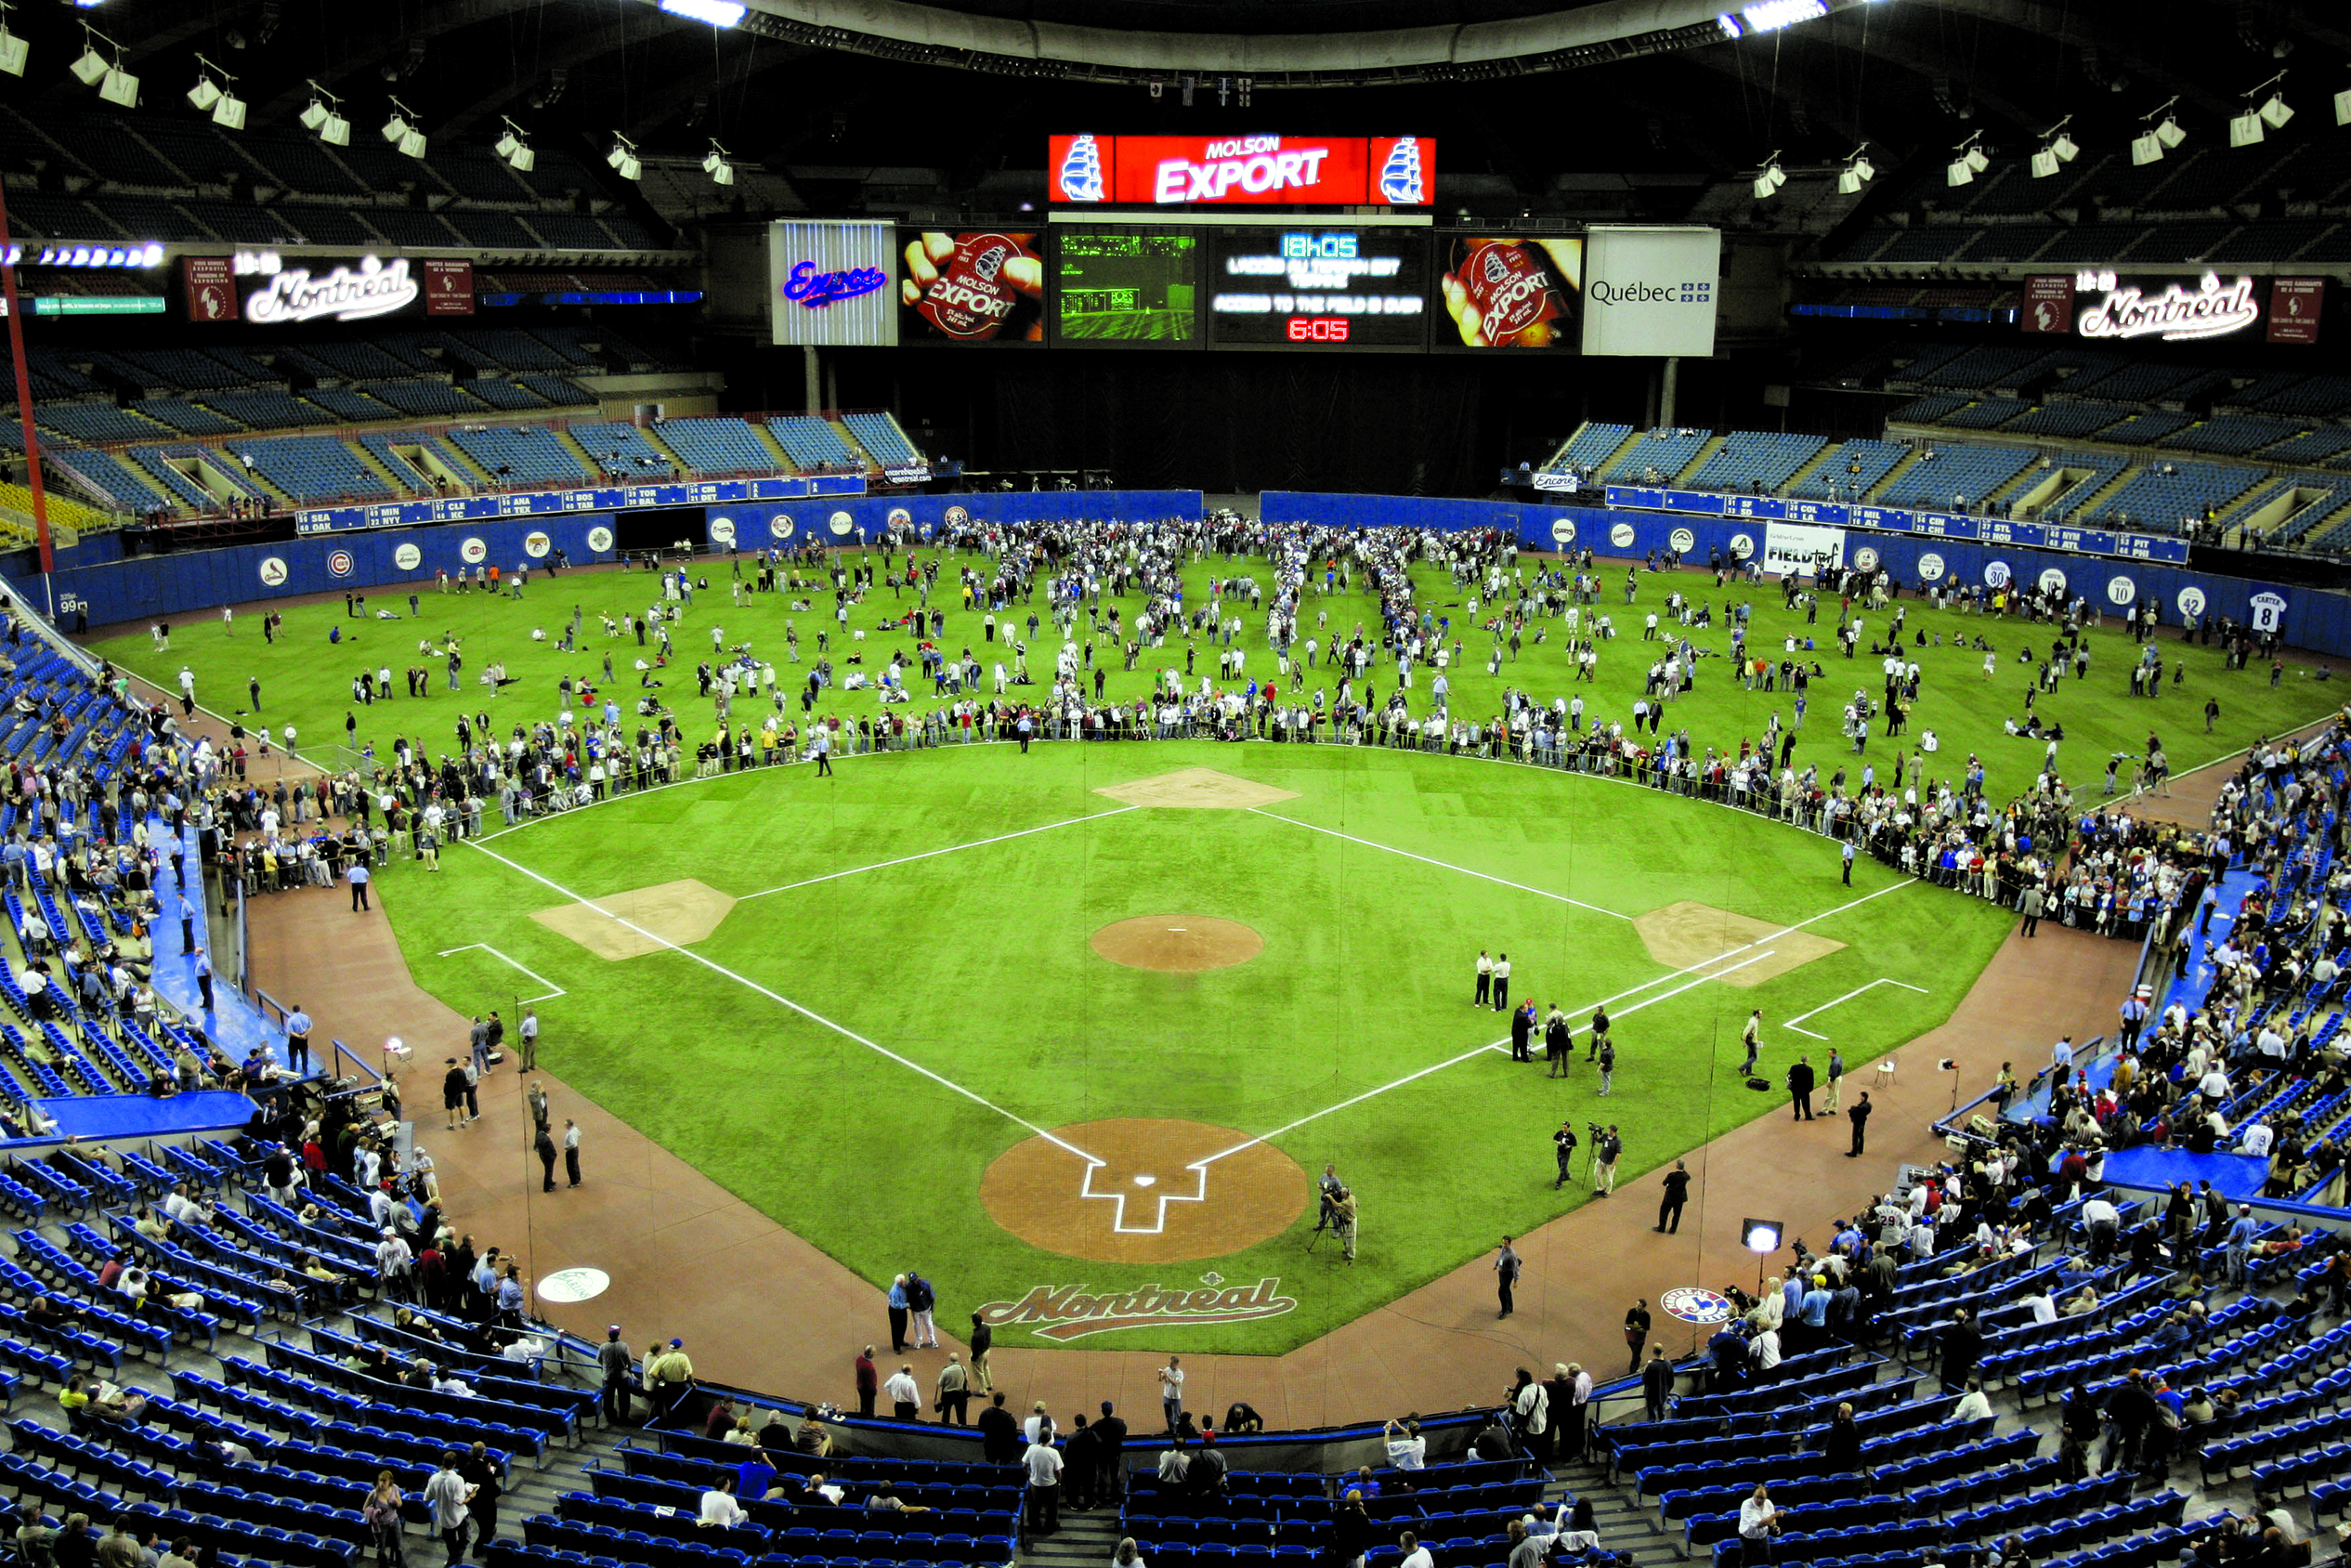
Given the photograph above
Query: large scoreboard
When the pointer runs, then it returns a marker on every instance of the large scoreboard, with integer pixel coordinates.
(1318, 288)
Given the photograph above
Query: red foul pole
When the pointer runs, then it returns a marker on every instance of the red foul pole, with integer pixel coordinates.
(24, 395)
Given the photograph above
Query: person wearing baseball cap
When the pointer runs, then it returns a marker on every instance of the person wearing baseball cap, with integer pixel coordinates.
(616, 1361)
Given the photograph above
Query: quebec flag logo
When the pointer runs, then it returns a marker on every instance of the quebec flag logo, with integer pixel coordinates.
(1400, 177)
(1082, 171)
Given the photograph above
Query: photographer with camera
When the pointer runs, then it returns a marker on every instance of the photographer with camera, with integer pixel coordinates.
(1342, 1213)
(1606, 1149)
(1563, 1144)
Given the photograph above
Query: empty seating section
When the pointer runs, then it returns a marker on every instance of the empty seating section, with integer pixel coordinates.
(880, 435)
(96, 423)
(1589, 446)
(1956, 476)
(1749, 460)
(420, 398)
(521, 454)
(308, 469)
(189, 419)
(716, 445)
(2231, 435)
(1657, 456)
(1853, 469)
(2160, 498)
(622, 451)
(2066, 421)
(812, 442)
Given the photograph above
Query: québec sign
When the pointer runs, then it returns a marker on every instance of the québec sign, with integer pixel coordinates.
(813, 290)
(1068, 1311)
(2213, 310)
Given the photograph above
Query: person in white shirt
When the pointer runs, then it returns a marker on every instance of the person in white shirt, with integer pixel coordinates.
(1044, 1482)
(2214, 1085)
(1416, 1555)
(1171, 1391)
(1972, 1405)
(1767, 1349)
(719, 1511)
(2254, 1138)
(905, 1393)
(2043, 1309)
(1758, 1520)
(1408, 1450)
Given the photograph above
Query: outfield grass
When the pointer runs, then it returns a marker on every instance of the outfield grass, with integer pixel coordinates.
(974, 966)
(307, 682)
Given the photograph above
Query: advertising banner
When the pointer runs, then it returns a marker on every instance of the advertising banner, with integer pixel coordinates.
(2294, 304)
(1651, 292)
(974, 286)
(1236, 170)
(1501, 291)
(829, 284)
(2048, 305)
(212, 288)
(1801, 547)
(449, 287)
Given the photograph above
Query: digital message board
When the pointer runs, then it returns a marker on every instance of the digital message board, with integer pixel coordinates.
(1114, 285)
(970, 286)
(1323, 288)
(1237, 170)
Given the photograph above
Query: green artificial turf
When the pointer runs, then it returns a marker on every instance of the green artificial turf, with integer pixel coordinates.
(952, 1004)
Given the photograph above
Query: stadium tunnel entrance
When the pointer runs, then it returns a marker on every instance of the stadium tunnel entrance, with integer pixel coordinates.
(660, 528)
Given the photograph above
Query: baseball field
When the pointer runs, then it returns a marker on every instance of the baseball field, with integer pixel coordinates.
(1093, 1016)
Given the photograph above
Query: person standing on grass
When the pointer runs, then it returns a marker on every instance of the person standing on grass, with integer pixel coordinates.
(823, 742)
(1558, 1042)
(1501, 981)
(1605, 1153)
(1751, 1041)
(1848, 862)
(1484, 996)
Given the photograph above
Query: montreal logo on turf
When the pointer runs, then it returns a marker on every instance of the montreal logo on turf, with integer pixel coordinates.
(1067, 1312)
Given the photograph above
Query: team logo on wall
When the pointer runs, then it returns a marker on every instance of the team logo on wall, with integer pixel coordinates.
(599, 538)
(338, 563)
(273, 571)
(840, 523)
(1683, 541)
(1067, 1312)
(781, 526)
(473, 551)
(1562, 531)
(1930, 567)
(1691, 1304)
(536, 546)
(900, 518)
(1997, 575)
(408, 557)
(957, 516)
(2121, 591)
(1621, 536)
(2191, 601)
(1742, 546)
(1866, 558)
(722, 530)
(2053, 581)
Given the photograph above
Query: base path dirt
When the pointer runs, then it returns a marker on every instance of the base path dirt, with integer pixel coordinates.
(1140, 1198)
(1197, 788)
(1686, 934)
(1177, 944)
(678, 912)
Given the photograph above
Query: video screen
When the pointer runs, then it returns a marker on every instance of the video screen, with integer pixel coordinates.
(1319, 288)
(1124, 286)
(1501, 292)
(970, 287)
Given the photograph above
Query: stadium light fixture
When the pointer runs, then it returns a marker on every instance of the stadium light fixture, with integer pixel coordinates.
(2341, 103)
(14, 50)
(718, 13)
(2275, 111)
(228, 108)
(719, 164)
(1769, 179)
(398, 125)
(623, 158)
(514, 149)
(2162, 131)
(401, 132)
(1970, 160)
(2253, 121)
(332, 129)
(119, 87)
(1858, 170)
(91, 67)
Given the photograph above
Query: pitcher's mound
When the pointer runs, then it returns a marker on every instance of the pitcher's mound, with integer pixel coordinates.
(1197, 788)
(1681, 935)
(1177, 944)
(1144, 1203)
(679, 912)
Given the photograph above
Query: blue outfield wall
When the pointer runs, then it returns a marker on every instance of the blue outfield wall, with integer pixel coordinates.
(2313, 620)
(855, 519)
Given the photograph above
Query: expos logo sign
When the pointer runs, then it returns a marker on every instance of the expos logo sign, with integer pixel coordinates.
(812, 290)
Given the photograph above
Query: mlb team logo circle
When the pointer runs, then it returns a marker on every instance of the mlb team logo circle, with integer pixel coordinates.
(1866, 558)
(2121, 592)
(1691, 1304)
(957, 517)
(599, 538)
(1683, 541)
(1562, 531)
(900, 518)
(473, 551)
(781, 526)
(2053, 581)
(273, 571)
(1930, 567)
(536, 546)
(722, 530)
(338, 563)
(1742, 546)
(1997, 575)
(408, 557)
(2191, 601)
(1621, 536)
(840, 523)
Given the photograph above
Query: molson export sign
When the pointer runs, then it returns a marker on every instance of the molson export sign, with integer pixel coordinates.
(1234, 170)
(1072, 1311)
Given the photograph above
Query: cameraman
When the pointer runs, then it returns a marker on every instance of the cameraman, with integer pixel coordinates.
(1327, 1187)
(1342, 1213)
(1606, 1147)
(1563, 1146)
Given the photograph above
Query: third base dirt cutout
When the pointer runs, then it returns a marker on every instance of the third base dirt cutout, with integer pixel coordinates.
(681, 912)
(1686, 934)
(1177, 944)
(1144, 1203)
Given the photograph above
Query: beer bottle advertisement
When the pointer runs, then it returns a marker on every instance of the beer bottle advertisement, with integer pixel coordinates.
(1509, 292)
(973, 287)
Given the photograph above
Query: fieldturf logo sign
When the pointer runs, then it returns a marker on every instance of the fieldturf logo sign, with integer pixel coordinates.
(1068, 1311)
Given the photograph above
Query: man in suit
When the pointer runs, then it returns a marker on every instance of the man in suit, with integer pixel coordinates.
(1677, 1185)
(1523, 1033)
(1559, 1043)
(1110, 1455)
(1800, 1089)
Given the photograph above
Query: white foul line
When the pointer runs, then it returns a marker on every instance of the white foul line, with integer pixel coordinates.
(1882, 980)
(950, 849)
(786, 1001)
(554, 990)
(1441, 865)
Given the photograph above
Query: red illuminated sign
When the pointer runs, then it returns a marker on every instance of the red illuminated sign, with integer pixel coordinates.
(2048, 305)
(1317, 328)
(449, 287)
(1235, 170)
(2293, 308)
